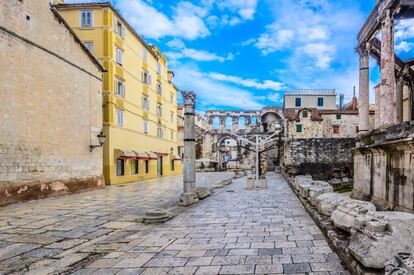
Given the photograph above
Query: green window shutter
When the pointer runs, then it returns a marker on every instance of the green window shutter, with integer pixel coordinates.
(299, 128)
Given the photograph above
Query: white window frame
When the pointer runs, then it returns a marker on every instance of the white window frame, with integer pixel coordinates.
(89, 45)
(160, 132)
(172, 117)
(82, 23)
(146, 78)
(119, 117)
(119, 28)
(172, 135)
(119, 87)
(145, 54)
(145, 103)
(119, 55)
(171, 97)
(159, 110)
(159, 88)
(158, 67)
(146, 126)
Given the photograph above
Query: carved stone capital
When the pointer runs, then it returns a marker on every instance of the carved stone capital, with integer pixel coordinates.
(189, 98)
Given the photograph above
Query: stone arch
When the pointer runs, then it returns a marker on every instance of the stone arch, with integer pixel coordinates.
(229, 123)
(216, 122)
(253, 120)
(242, 122)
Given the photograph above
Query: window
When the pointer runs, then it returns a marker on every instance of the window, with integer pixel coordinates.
(320, 101)
(160, 132)
(305, 114)
(336, 129)
(357, 129)
(145, 55)
(120, 167)
(147, 166)
(159, 110)
(172, 165)
(158, 67)
(172, 135)
(298, 128)
(338, 116)
(86, 18)
(171, 97)
(134, 167)
(119, 87)
(118, 28)
(146, 77)
(146, 126)
(298, 102)
(159, 88)
(89, 45)
(172, 117)
(145, 103)
(118, 55)
(119, 117)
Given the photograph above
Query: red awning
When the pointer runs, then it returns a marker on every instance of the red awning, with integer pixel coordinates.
(177, 157)
(160, 154)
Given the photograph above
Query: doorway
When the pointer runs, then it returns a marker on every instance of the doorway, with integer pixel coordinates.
(159, 166)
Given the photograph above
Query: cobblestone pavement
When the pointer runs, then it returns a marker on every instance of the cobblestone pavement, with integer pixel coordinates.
(235, 231)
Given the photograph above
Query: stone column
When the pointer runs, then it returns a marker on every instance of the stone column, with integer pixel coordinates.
(189, 179)
(387, 113)
(363, 89)
(377, 105)
(398, 115)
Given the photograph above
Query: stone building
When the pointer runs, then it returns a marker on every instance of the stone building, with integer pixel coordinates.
(139, 97)
(50, 107)
(384, 157)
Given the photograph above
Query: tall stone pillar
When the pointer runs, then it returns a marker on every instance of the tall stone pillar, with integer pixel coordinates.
(363, 89)
(189, 179)
(398, 115)
(387, 113)
(377, 105)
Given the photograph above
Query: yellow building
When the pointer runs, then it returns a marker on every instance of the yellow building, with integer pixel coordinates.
(139, 99)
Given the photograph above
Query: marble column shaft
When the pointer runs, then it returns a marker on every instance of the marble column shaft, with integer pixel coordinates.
(189, 142)
(363, 90)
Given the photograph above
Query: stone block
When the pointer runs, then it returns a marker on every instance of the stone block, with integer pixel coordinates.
(318, 188)
(202, 192)
(328, 202)
(374, 248)
(402, 264)
(300, 180)
(250, 183)
(346, 213)
(187, 199)
(155, 216)
(263, 183)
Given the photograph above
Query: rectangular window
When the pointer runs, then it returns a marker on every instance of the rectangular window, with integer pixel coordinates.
(172, 117)
(146, 127)
(147, 166)
(357, 129)
(119, 28)
(86, 18)
(172, 135)
(158, 67)
(119, 117)
(172, 165)
(320, 101)
(336, 129)
(145, 103)
(119, 55)
(305, 114)
(159, 110)
(120, 167)
(298, 102)
(338, 116)
(299, 128)
(171, 98)
(160, 132)
(134, 167)
(159, 88)
(119, 87)
(89, 45)
(146, 77)
(145, 55)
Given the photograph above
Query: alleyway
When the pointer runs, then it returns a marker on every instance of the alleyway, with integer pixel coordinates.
(234, 231)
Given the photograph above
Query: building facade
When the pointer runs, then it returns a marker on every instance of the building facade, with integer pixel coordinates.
(321, 99)
(50, 107)
(139, 98)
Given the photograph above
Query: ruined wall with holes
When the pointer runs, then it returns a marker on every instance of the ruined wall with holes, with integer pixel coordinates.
(323, 158)
(50, 110)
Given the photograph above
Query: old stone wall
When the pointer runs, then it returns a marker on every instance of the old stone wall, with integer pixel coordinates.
(51, 107)
(323, 158)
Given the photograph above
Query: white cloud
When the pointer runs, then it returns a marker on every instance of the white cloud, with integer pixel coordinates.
(322, 54)
(186, 21)
(250, 83)
(245, 8)
(180, 51)
(212, 93)
(404, 46)
(275, 97)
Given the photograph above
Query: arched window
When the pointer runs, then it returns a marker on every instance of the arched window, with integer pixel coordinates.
(229, 123)
(242, 123)
(216, 123)
(253, 120)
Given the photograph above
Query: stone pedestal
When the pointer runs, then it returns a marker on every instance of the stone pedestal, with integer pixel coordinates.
(155, 216)
(263, 183)
(250, 183)
(187, 199)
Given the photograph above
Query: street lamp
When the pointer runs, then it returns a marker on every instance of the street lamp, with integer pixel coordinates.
(101, 138)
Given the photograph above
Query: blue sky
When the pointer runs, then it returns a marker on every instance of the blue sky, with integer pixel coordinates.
(242, 54)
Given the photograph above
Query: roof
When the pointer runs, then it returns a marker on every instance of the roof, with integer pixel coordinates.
(84, 48)
(327, 92)
(107, 5)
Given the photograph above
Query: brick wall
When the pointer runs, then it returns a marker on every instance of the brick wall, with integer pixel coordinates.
(50, 110)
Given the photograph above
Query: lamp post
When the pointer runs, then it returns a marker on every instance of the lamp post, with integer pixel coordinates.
(101, 138)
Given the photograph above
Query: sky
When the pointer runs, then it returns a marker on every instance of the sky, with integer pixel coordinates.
(243, 54)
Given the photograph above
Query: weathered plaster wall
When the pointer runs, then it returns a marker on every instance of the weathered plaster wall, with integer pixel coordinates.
(50, 110)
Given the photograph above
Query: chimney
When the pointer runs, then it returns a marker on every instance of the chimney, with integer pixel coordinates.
(341, 101)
